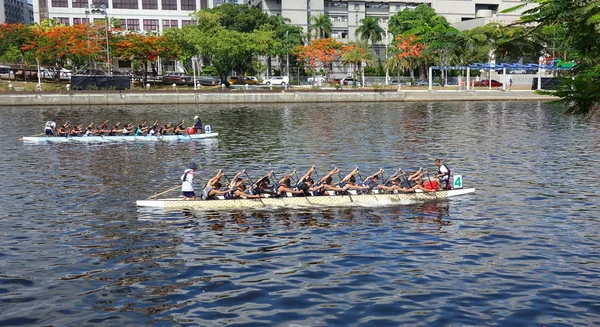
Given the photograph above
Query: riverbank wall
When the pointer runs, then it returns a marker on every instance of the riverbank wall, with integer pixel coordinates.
(116, 98)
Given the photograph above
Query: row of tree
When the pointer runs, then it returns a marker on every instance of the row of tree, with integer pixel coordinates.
(235, 38)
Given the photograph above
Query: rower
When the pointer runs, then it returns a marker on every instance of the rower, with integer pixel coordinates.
(64, 129)
(76, 130)
(370, 183)
(103, 128)
(127, 129)
(198, 125)
(141, 129)
(179, 129)
(168, 128)
(154, 129)
(50, 127)
(89, 130)
(326, 184)
(284, 186)
(212, 188)
(443, 174)
(261, 185)
(115, 129)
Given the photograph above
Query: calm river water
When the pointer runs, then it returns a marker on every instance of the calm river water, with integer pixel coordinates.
(523, 250)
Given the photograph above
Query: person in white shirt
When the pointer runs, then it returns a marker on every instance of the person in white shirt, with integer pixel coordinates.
(50, 127)
(187, 182)
(443, 174)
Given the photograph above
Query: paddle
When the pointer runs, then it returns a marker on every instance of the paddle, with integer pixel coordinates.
(252, 183)
(39, 134)
(429, 179)
(167, 191)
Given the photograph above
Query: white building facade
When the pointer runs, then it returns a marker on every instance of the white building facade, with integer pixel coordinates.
(346, 15)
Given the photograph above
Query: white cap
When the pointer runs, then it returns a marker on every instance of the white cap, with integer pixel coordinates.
(195, 117)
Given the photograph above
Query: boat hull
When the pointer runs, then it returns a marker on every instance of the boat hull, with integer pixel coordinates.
(369, 200)
(119, 138)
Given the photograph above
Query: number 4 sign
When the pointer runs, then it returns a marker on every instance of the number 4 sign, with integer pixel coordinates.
(457, 181)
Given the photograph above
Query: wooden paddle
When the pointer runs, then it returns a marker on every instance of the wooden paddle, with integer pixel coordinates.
(252, 183)
(167, 191)
(39, 134)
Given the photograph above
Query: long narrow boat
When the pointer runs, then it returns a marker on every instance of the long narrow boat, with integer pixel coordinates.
(119, 138)
(364, 200)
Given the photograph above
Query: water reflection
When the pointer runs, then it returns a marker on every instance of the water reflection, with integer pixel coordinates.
(76, 251)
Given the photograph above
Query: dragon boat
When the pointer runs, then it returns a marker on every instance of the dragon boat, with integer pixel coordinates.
(118, 138)
(270, 203)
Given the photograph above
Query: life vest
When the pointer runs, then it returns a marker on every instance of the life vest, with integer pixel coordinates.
(430, 184)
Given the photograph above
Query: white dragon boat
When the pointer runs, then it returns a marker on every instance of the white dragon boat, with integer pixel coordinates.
(364, 200)
(118, 138)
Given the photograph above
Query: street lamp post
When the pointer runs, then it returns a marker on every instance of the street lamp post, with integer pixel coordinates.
(287, 54)
(387, 71)
(194, 69)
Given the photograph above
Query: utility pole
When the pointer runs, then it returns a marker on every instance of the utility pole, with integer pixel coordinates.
(287, 53)
(387, 71)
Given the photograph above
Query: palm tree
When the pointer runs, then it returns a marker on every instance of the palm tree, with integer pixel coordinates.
(321, 24)
(360, 53)
(370, 30)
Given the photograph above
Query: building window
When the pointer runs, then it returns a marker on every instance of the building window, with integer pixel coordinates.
(338, 18)
(62, 20)
(377, 5)
(150, 24)
(188, 4)
(188, 22)
(125, 4)
(80, 4)
(336, 4)
(203, 4)
(169, 24)
(169, 4)
(60, 3)
(339, 34)
(149, 4)
(99, 3)
(79, 21)
(132, 24)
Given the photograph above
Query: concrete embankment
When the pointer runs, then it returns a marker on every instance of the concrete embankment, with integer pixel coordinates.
(115, 98)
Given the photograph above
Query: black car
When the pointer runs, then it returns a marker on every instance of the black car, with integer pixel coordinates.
(209, 80)
(178, 78)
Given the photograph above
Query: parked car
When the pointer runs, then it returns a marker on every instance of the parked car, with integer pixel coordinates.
(425, 82)
(517, 71)
(178, 78)
(250, 80)
(277, 80)
(348, 81)
(208, 80)
(320, 79)
(486, 82)
(50, 74)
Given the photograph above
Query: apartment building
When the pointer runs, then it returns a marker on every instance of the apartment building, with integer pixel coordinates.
(347, 14)
(136, 15)
(16, 11)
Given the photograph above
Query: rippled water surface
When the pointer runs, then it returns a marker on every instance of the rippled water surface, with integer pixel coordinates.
(523, 250)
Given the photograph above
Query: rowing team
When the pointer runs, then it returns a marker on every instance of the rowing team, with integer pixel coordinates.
(400, 182)
(126, 130)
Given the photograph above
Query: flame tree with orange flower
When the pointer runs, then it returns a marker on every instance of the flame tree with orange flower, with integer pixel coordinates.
(59, 44)
(319, 53)
(141, 49)
(405, 55)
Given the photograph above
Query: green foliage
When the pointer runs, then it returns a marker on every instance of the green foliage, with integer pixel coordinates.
(209, 71)
(321, 25)
(240, 18)
(577, 26)
(370, 30)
